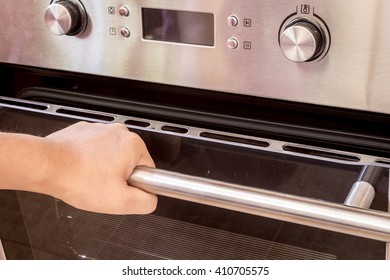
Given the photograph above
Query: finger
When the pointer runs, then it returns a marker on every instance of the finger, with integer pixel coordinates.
(146, 159)
(144, 156)
(122, 200)
(136, 201)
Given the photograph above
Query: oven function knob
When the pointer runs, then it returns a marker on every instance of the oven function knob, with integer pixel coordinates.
(302, 41)
(66, 17)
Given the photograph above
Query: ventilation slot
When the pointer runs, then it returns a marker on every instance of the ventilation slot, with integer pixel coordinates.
(175, 129)
(234, 139)
(383, 161)
(24, 104)
(137, 123)
(86, 115)
(320, 153)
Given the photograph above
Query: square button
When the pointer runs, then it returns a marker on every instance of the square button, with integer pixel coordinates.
(111, 10)
(247, 22)
(112, 31)
(247, 45)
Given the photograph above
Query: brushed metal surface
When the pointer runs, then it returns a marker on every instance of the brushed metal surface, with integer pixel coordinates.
(361, 195)
(301, 42)
(58, 19)
(304, 211)
(353, 74)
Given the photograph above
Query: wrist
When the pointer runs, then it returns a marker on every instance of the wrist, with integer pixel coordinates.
(58, 163)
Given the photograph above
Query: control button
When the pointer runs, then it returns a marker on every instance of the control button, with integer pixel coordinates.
(125, 32)
(65, 17)
(232, 21)
(124, 11)
(302, 41)
(232, 43)
(112, 31)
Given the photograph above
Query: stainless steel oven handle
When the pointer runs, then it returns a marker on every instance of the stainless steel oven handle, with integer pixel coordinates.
(290, 208)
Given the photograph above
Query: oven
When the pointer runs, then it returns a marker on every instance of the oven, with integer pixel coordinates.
(268, 122)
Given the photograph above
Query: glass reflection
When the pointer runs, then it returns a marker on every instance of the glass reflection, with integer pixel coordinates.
(178, 26)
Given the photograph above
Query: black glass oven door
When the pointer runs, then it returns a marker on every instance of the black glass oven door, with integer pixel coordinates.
(40, 227)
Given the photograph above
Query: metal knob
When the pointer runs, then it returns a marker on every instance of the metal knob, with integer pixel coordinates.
(66, 17)
(301, 41)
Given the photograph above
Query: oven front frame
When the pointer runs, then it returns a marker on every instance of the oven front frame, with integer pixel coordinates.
(53, 109)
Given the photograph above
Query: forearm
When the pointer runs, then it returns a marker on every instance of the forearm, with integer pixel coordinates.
(23, 162)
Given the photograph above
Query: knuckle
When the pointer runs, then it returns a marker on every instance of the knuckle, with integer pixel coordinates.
(119, 126)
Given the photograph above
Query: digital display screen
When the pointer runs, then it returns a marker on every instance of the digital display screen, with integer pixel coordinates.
(178, 26)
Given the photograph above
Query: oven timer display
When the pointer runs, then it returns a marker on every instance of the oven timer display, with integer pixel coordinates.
(184, 27)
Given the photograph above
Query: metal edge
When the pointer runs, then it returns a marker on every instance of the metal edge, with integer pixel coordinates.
(2, 253)
(195, 133)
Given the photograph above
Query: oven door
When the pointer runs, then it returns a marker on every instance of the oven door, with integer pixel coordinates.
(222, 196)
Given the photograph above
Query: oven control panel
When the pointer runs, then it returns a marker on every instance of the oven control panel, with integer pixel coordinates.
(332, 53)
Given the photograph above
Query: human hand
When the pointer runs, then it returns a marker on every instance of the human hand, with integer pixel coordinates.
(90, 164)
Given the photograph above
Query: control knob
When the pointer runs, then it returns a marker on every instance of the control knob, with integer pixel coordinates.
(66, 17)
(302, 41)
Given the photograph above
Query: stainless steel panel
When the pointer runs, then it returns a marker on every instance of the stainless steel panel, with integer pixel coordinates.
(352, 75)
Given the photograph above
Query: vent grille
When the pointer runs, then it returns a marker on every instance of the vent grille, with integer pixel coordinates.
(217, 136)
